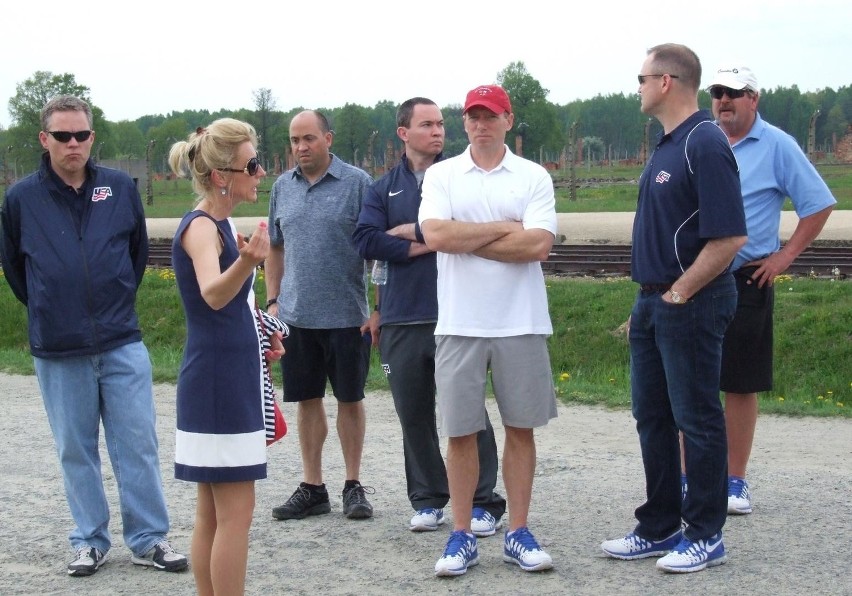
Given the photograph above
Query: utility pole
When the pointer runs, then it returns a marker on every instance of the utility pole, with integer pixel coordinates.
(572, 158)
(812, 136)
(149, 185)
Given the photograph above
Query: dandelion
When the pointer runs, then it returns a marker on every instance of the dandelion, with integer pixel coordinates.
(564, 376)
(611, 380)
(820, 397)
(829, 391)
(840, 404)
(780, 399)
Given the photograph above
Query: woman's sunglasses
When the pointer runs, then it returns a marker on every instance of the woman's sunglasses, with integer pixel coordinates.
(63, 136)
(251, 167)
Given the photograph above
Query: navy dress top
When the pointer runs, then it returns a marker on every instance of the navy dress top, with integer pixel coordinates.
(220, 428)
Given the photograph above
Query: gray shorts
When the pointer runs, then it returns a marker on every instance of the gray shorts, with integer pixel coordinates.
(520, 376)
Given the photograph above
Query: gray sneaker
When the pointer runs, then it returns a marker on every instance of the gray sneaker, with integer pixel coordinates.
(162, 557)
(87, 560)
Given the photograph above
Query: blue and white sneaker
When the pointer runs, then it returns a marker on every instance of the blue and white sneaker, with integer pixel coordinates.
(461, 553)
(484, 524)
(739, 496)
(634, 546)
(426, 520)
(689, 556)
(520, 547)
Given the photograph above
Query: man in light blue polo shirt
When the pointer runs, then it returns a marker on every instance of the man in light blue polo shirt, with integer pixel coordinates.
(772, 168)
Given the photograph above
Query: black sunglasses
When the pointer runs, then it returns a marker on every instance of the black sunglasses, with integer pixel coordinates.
(718, 92)
(63, 136)
(643, 77)
(251, 167)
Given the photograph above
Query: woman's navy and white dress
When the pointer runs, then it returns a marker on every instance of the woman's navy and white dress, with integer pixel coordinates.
(220, 426)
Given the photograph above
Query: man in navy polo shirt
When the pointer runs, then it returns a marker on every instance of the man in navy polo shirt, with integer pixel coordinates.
(689, 225)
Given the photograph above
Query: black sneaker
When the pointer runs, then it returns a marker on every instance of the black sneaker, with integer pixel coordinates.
(162, 557)
(355, 503)
(307, 500)
(87, 560)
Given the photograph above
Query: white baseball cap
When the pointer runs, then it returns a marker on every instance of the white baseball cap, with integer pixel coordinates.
(734, 77)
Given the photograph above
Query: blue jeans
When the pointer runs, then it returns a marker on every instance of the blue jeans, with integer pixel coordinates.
(114, 388)
(675, 359)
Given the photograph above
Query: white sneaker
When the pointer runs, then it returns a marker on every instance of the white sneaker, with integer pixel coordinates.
(426, 520)
(521, 548)
(461, 553)
(484, 524)
(739, 496)
(633, 546)
(690, 556)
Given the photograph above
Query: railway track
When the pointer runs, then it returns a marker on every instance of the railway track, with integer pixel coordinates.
(603, 260)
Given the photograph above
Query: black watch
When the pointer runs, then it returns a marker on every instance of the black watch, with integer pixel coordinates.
(271, 301)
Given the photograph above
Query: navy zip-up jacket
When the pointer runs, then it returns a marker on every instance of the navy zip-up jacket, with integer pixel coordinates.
(411, 292)
(76, 272)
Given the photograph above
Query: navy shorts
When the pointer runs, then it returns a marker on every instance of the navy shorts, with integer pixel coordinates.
(315, 357)
(747, 347)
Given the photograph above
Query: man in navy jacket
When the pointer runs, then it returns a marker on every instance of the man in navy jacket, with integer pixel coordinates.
(74, 250)
(406, 312)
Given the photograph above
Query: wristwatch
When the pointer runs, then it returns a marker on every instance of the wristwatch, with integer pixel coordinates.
(676, 297)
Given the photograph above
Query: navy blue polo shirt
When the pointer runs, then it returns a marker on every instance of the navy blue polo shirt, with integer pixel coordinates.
(689, 193)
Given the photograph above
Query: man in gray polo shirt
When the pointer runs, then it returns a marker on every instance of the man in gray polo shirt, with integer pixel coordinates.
(316, 284)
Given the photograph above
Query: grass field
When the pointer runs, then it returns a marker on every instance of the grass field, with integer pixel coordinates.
(588, 350)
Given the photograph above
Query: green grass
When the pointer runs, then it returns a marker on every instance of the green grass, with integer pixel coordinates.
(589, 354)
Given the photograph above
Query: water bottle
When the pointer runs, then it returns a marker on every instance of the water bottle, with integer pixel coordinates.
(379, 275)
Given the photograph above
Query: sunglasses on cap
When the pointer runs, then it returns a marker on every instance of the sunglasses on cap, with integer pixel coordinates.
(718, 92)
(64, 136)
(251, 167)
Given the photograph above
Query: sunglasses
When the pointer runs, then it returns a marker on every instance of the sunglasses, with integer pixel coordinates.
(63, 136)
(642, 78)
(718, 92)
(251, 167)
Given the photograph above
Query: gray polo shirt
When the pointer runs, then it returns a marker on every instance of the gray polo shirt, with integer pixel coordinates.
(324, 284)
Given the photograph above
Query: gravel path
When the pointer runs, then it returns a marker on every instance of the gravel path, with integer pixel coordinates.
(588, 482)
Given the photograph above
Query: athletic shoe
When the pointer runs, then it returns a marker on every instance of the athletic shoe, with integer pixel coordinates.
(521, 548)
(426, 520)
(739, 496)
(87, 560)
(634, 546)
(162, 557)
(355, 503)
(483, 524)
(691, 556)
(461, 553)
(305, 501)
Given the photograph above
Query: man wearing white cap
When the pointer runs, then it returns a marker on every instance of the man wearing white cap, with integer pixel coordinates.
(491, 217)
(772, 167)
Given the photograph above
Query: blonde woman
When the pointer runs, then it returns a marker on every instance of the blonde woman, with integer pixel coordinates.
(220, 441)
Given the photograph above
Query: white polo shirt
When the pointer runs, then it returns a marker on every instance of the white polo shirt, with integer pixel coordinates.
(480, 297)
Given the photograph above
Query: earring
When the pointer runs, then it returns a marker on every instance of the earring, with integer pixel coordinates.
(224, 192)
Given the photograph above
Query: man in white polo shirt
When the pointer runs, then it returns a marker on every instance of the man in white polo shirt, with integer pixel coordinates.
(491, 217)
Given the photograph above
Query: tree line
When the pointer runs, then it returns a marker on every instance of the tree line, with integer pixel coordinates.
(608, 127)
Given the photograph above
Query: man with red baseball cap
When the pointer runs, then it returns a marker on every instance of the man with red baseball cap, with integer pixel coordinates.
(491, 217)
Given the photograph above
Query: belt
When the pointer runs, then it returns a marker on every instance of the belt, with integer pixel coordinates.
(657, 288)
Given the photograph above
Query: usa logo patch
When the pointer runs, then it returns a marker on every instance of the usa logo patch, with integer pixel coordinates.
(101, 193)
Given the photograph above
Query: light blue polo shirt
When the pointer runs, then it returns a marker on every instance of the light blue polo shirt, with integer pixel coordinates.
(772, 168)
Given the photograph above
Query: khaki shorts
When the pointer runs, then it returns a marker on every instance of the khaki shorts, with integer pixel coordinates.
(520, 376)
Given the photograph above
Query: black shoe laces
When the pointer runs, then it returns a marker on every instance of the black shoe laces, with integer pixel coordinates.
(357, 495)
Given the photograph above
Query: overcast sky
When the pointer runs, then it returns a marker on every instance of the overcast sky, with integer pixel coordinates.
(179, 55)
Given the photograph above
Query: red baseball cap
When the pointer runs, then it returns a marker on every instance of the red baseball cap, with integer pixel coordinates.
(492, 97)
